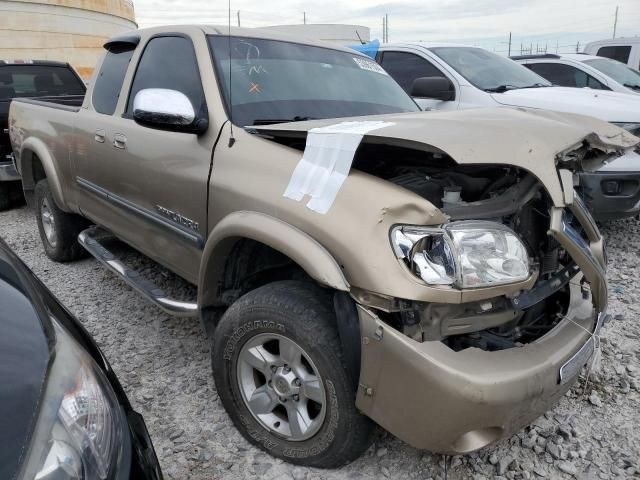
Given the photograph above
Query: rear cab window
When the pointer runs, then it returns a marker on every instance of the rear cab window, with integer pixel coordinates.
(617, 52)
(108, 83)
(29, 81)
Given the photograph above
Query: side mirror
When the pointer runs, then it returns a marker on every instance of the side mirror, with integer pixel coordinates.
(166, 110)
(439, 88)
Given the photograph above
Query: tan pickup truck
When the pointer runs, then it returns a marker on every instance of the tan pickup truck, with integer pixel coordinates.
(356, 259)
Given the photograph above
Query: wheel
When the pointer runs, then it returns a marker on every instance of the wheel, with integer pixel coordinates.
(280, 373)
(58, 230)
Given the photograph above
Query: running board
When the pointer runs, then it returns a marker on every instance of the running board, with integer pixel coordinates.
(90, 240)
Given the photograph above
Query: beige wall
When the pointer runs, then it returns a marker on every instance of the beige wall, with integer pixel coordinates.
(65, 30)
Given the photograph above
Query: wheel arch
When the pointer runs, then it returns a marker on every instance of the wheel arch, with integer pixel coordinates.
(286, 239)
(37, 164)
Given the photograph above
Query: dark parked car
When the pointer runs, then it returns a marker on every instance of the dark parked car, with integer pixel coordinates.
(55, 82)
(65, 415)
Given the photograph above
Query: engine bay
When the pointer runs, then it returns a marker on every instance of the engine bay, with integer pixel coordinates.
(500, 193)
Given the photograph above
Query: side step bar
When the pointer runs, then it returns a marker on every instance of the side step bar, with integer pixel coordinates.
(90, 240)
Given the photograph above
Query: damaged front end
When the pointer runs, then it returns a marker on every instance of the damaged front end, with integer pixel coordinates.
(490, 310)
(456, 376)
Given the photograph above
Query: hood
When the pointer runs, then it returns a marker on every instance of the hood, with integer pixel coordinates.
(602, 104)
(24, 359)
(530, 139)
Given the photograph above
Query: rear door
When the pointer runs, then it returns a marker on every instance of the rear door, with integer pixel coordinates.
(565, 75)
(152, 184)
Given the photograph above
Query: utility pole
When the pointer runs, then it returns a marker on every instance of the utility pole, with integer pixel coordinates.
(509, 54)
(578, 47)
(557, 46)
(384, 33)
(615, 22)
(304, 17)
(387, 26)
(238, 17)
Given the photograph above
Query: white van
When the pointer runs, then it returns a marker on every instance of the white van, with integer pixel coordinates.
(625, 50)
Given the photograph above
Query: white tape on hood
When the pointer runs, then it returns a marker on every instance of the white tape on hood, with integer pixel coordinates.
(326, 162)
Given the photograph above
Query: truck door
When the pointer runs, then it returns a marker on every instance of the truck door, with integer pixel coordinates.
(155, 181)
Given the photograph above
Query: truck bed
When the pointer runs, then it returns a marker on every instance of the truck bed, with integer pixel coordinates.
(67, 102)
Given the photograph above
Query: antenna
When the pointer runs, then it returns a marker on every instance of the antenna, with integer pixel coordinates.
(232, 139)
(362, 42)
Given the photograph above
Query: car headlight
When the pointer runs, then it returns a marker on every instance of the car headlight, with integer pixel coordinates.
(467, 254)
(630, 127)
(78, 433)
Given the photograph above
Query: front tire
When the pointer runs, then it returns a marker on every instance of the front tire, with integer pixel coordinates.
(58, 229)
(280, 373)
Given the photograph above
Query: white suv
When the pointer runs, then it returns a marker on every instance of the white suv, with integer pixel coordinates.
(579, 70)
(454, 77)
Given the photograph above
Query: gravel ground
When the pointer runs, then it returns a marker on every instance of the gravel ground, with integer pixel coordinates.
(163, 364)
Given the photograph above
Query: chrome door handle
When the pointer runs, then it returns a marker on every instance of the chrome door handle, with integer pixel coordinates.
(100, 136)
(119, 141)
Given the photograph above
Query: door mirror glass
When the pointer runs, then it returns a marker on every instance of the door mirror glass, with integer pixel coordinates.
(439, 88)
(164, 109)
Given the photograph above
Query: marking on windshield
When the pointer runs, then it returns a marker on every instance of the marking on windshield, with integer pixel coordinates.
(258, 69)
(254, 88)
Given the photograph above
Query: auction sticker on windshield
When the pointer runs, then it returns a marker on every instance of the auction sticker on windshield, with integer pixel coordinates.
(370, 65)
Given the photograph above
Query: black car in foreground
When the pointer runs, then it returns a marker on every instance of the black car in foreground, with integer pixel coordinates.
(64, 415)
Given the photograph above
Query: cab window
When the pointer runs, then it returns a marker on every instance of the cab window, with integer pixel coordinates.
(108, 84)
(617, 52)
(566, 75)
(170, 63)
(406, 67)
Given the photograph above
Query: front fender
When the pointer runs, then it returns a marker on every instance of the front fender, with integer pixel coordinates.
(33, 150)
(287, 239)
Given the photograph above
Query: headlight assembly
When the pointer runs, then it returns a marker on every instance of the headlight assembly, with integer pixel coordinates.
(466, 254)
(79, 429)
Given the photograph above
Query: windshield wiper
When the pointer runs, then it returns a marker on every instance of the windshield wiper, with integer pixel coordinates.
(537, 85)
(501, 88)
(631, 85)
(269, 121)
(505, 88)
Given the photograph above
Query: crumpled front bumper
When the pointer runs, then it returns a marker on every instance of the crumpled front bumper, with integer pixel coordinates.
(611, 195)
(445, 401)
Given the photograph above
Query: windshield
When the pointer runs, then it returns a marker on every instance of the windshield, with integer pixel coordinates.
(275, 81)
(489, 71)
(38, 81)
(616, 70)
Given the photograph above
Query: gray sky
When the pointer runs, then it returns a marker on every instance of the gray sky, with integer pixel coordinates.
(487, 23)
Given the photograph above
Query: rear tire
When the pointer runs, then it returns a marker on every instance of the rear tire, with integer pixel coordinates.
(59, 230)
(307, 415)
